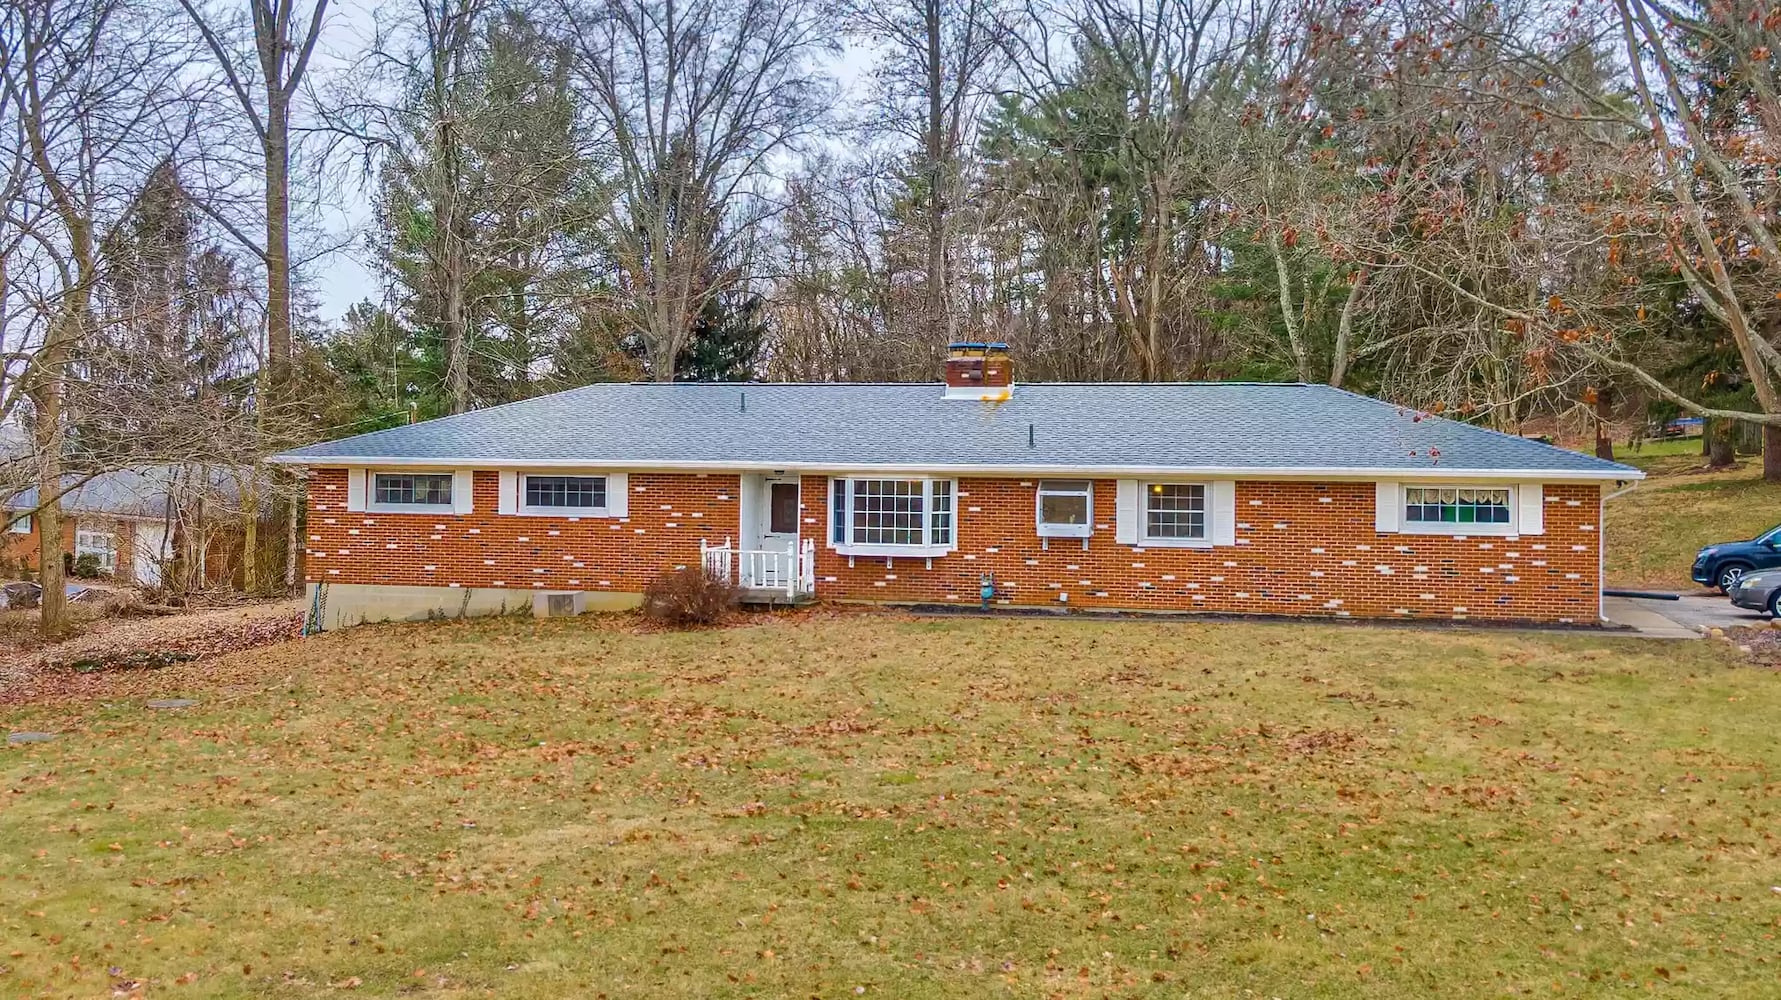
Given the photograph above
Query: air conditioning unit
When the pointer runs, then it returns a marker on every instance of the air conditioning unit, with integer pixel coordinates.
(558, 604)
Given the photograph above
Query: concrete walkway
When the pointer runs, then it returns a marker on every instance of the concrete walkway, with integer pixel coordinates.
(1645, 618)
(1687, 618)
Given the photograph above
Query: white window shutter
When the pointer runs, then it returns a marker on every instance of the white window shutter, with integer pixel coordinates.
(355, 489)
(618, 494)
(463, 485)
(1126, 512)
(507, 500)
(1224, 512)
(1533, 510)
(1388, 506)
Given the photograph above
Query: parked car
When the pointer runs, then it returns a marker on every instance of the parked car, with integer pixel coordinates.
(1721, 564)
(1758, 591)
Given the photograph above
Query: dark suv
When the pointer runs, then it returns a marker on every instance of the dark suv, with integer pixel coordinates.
(1721, 564)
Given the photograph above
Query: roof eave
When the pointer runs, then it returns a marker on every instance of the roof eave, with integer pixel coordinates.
(1433, 472)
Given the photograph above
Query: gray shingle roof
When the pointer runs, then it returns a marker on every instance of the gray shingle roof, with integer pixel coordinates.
(141, 492)
(1113, 427)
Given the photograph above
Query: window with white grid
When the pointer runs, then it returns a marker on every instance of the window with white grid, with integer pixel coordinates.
(101, 545)
(891, 514)
(1456, 505)
(567, 494)
(422, 489)
(1175, 511)
(1484, 510)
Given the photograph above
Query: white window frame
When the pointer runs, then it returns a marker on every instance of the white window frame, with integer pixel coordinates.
(603, 510)
(1409, 527)
(841, 517)
(21, 526)
(1050, 529)
(1149, 541)
(375, 506)
(107, 554)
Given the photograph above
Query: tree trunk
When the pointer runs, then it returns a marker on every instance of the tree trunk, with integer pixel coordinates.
(51, 367)
(290, 542)
(457, 344)
(939, 310)
(1604, 415)
(452, 263)
(1771, 453)
(278, 239)
(1345, 330)
(1295, 343)
(1720, 453)
(250, 534)
(53, 620)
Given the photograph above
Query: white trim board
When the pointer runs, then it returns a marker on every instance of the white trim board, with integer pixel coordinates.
(1437, 473)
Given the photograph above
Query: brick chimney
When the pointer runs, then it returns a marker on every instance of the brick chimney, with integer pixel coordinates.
(981, 371)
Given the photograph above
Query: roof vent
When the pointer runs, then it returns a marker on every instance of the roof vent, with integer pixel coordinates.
(977, 370)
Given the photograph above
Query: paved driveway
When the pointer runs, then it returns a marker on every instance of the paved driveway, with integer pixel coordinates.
(1681, 619)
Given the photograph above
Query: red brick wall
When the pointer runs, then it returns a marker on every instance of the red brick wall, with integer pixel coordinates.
(22, 549)
(669, 513)
(1303, 549)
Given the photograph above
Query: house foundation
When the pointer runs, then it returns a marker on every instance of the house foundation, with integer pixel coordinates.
(344, 605)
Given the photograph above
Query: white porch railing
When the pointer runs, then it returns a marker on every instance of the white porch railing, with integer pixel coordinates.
(763, 569)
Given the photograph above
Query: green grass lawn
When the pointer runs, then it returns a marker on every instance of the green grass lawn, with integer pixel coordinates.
(1646, 453)
(862, 804)
(1655, 531)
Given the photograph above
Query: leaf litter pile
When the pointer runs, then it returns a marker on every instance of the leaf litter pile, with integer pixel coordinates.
(34, 671)
(872, 805)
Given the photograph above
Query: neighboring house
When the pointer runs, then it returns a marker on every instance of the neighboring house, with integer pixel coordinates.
(1235, 498)
(128, 520)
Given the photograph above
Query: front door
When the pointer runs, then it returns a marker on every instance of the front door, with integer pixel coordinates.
(779, 533)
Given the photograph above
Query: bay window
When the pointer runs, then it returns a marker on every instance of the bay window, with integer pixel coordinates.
(891, 516)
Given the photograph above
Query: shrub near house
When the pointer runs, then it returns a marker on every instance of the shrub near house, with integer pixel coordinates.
(1248, 498)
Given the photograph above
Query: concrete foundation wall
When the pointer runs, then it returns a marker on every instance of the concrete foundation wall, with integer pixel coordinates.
(349, 604)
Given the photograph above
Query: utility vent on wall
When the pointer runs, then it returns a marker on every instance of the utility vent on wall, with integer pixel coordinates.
(558, 605)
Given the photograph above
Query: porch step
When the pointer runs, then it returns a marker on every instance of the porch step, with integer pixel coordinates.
(771, 596)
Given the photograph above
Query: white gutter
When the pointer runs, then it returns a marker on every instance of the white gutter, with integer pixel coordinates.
(1432, 472)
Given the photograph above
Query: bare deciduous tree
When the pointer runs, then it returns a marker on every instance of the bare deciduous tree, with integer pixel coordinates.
(698, 100)
(939, 68)
(264, 84)
(86, 90)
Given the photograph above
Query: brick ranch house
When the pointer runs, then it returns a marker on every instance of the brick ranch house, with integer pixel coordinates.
(127, 519)
(1216, 497)
(130, 522)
